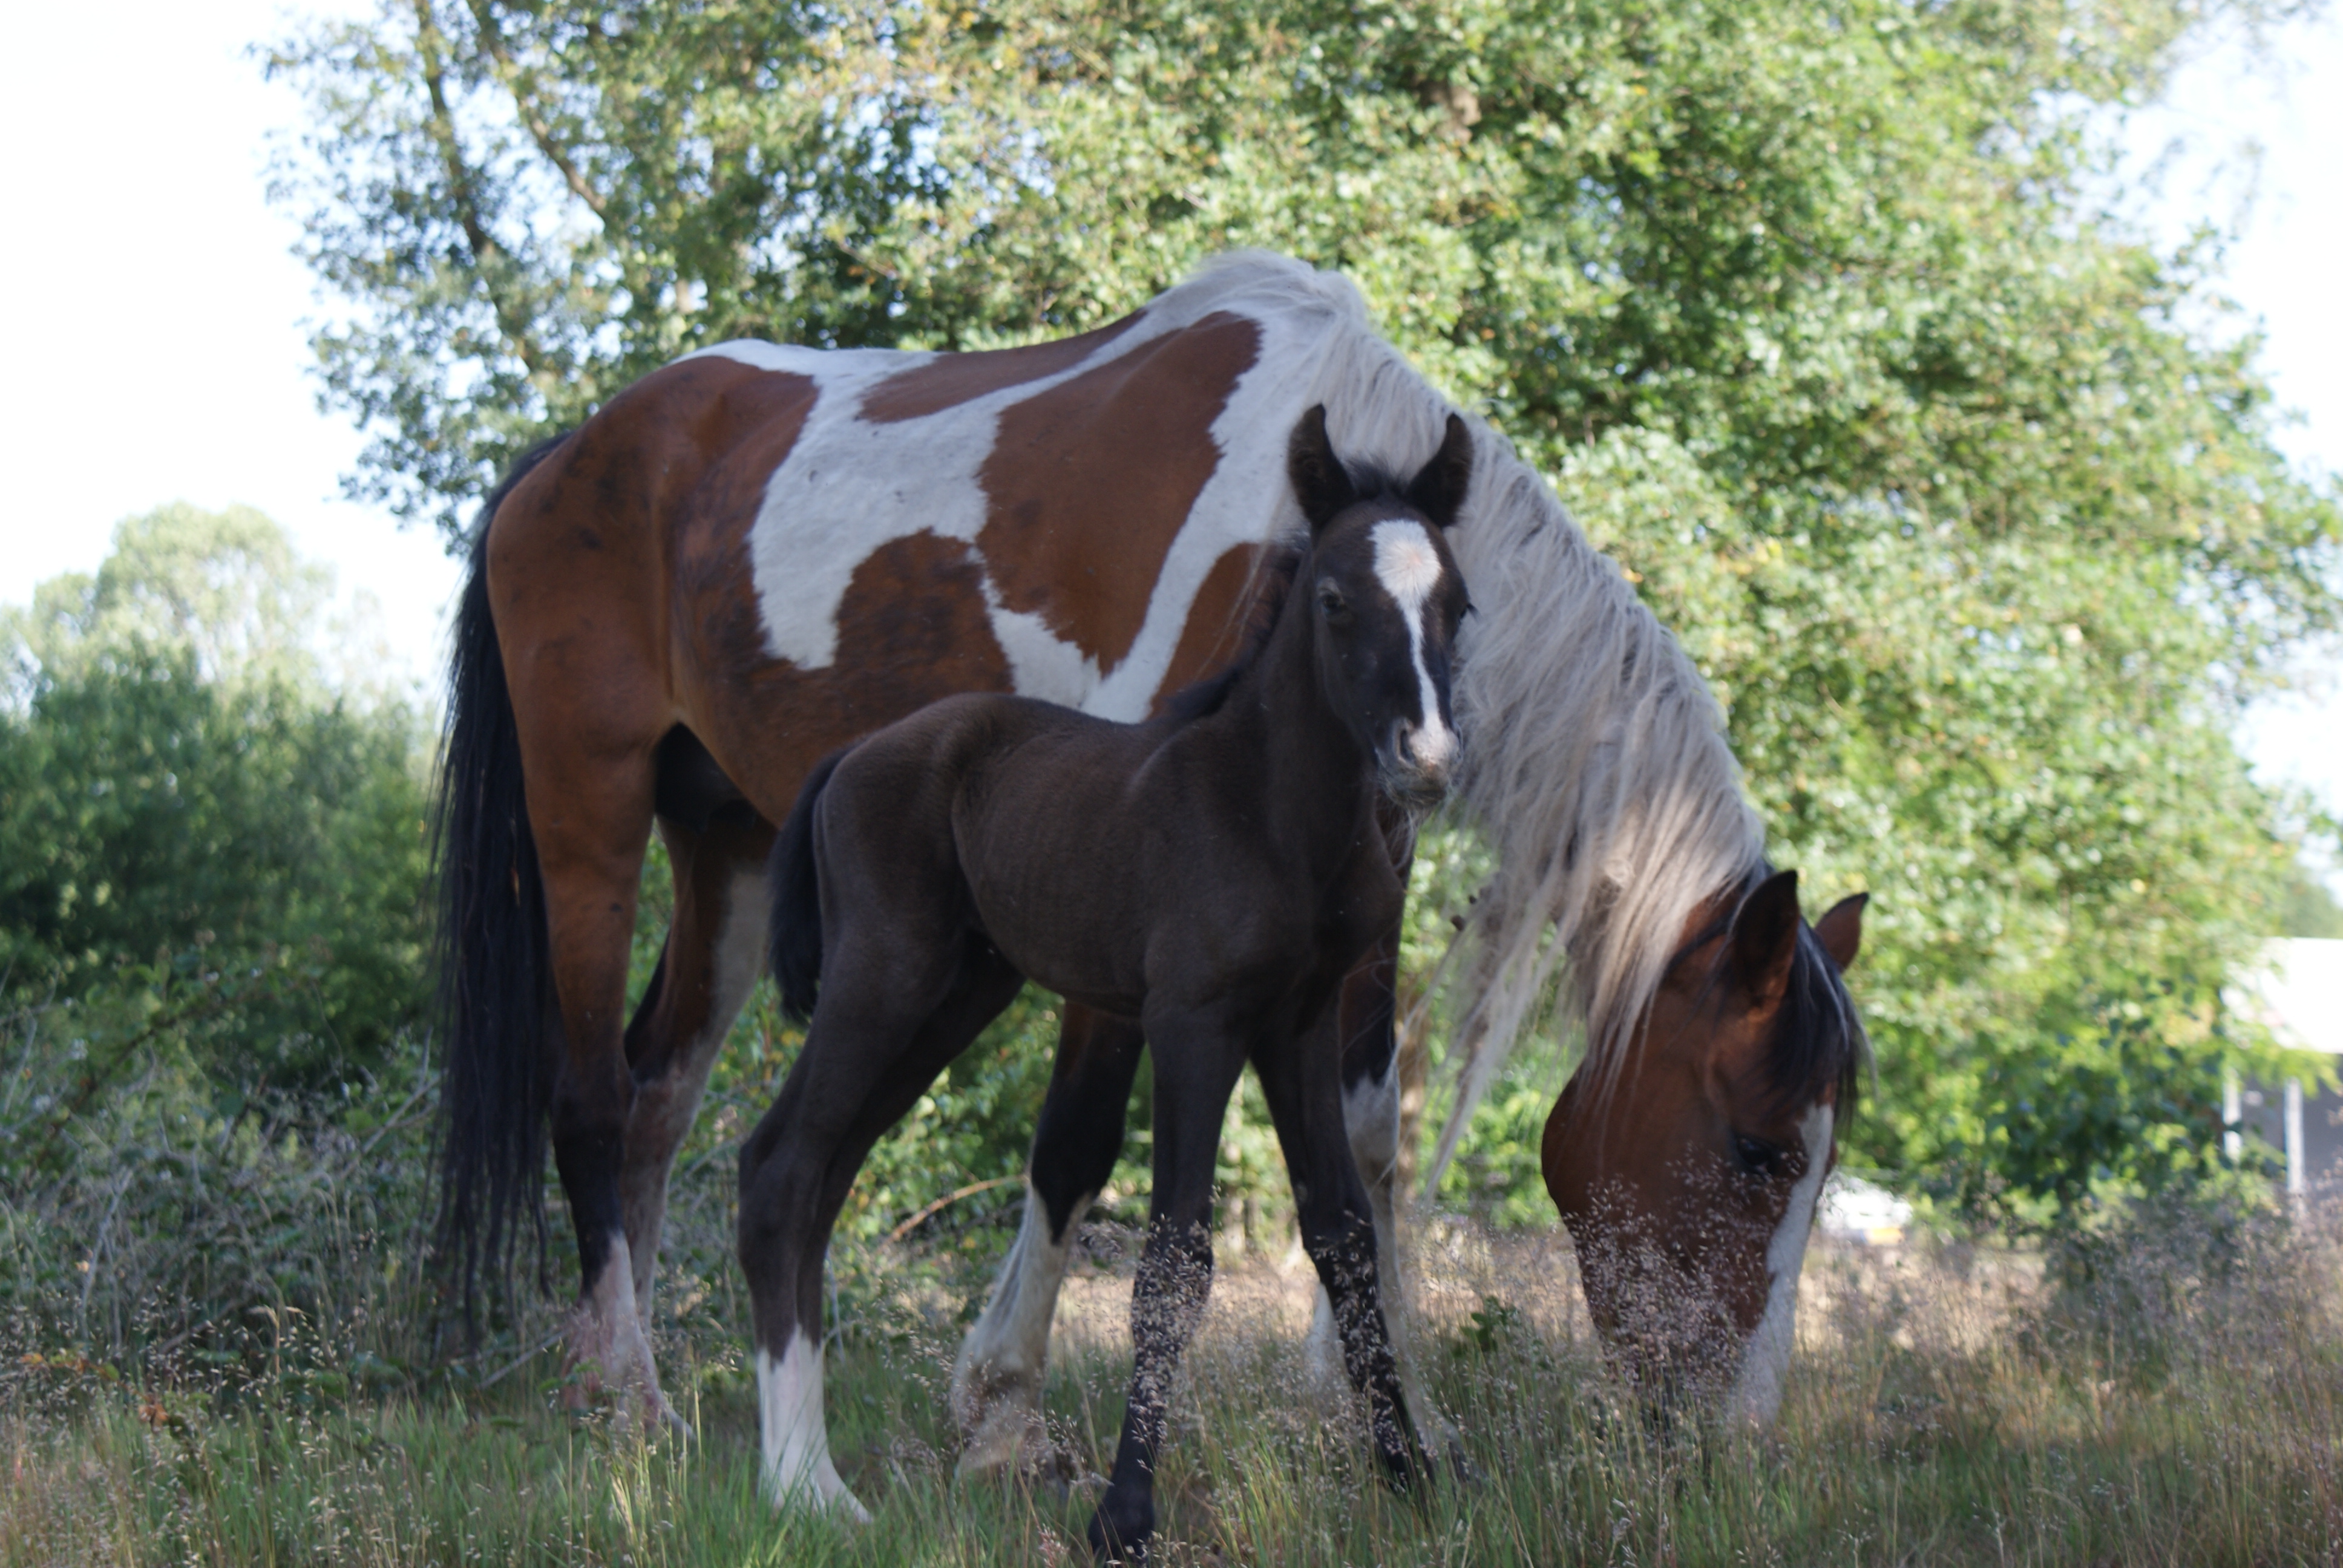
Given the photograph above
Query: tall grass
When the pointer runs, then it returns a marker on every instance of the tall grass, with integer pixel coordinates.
(2170, 1394)
(216, 1347)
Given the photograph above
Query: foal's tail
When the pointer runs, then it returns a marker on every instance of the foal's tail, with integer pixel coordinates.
(797, 898)
(494, 978)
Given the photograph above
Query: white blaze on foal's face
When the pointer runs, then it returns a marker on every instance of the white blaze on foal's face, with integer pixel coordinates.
(1408, 566)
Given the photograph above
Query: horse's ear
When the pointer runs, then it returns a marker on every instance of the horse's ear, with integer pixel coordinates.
(1765, 938)
(1321, 483)
(1438, 488)
(1840, 932)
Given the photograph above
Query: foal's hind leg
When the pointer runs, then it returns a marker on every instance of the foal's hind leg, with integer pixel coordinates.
(714, 952)
(996, 1388)
(875, 1044)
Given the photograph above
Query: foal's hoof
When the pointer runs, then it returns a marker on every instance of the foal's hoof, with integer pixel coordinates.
(1122, 1540)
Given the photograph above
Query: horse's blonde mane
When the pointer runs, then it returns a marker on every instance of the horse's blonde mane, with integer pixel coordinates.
(1595, 756)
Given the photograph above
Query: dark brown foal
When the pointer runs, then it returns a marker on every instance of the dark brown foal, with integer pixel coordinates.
(1211, 875)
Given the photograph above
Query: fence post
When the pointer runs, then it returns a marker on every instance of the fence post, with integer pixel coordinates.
(2295, 1159)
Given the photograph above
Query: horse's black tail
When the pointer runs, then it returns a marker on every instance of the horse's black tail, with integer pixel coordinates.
(497, 1062)
(797, 898)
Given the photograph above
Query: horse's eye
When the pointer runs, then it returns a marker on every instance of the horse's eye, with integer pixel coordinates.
(1331, 601)
(1768, 1162)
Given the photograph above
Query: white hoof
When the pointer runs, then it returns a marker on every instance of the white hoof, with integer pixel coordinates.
(1006, 1435)
(795, 1435)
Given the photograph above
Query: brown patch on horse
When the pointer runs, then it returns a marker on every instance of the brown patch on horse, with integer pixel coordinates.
(1217, 620)
(1091, 481)
(915, 618)
(951, 379)
(744, 434)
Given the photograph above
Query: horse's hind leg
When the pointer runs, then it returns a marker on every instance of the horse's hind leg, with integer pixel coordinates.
(714, 952)
(590, 834)
(996, 1388)
(874, 1046)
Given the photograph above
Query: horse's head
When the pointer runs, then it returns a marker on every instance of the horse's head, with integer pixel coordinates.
(1384, 599)
(1689, 1182)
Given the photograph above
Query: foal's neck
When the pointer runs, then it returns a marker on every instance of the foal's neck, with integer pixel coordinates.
(1316, 779)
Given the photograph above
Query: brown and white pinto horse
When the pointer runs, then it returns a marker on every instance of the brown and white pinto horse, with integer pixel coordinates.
(753, 555)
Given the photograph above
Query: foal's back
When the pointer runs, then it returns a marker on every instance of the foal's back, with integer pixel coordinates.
(1068, 842)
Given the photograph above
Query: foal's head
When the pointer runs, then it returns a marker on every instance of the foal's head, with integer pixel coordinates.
(1385, 597)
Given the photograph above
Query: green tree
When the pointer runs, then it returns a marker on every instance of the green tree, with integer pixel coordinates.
(178, 792)
(2305, 908)
(224, 586)
(1807, 310)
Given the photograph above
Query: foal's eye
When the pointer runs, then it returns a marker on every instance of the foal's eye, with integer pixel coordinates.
(1768, 1162)
(1330, 602)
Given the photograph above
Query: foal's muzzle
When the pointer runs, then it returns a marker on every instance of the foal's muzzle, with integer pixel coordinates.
(1414, 763)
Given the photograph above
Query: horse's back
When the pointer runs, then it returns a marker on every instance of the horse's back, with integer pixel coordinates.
(781, 548)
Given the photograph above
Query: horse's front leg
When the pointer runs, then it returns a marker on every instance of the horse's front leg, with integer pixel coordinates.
(1302, 1080)
(996, 1388)
(1196, 1066)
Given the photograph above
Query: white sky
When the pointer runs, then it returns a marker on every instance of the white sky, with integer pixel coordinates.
(160, 356)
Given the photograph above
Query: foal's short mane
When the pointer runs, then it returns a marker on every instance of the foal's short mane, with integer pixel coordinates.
(1265, 599)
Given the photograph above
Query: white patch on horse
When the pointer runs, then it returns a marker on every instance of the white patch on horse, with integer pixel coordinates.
(1040, 664)
(995, 1387)
(851, 486)
(1408, 567)
(797, 1469)
(1756, 1394)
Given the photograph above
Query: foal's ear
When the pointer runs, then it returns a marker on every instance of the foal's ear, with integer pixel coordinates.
(1321, 483)
(1438, 488)
(1765, 938)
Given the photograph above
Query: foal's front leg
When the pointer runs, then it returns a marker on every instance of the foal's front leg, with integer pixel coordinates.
(1196, 1066)
(1301, 1078)
(1366, 1040)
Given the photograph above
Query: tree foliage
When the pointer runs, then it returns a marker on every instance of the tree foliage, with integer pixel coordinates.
(179, 795)
(1805, 310)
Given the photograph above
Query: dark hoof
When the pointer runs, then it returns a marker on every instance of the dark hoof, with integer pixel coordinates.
(1120, 1532)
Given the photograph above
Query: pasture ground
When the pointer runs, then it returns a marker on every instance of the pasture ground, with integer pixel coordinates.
(2170, 1393)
